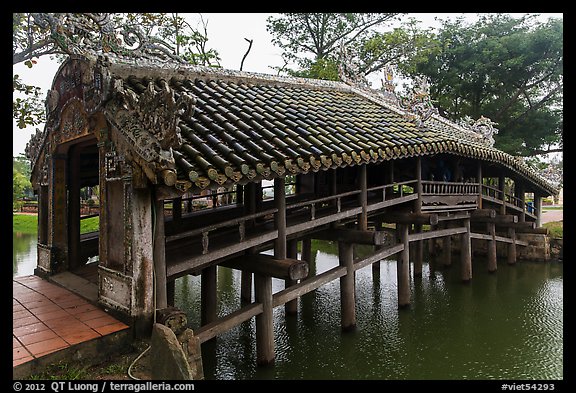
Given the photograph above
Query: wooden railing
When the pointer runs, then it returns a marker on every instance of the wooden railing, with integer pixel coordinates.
(448, 188)
(496, 195)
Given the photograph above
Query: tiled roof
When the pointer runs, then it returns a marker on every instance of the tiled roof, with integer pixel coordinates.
(246, 127)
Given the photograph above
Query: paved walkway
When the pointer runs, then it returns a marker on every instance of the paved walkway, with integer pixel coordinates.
(552, 215)
(48, 318)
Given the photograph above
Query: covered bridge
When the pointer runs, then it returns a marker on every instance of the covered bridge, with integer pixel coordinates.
(199, 167)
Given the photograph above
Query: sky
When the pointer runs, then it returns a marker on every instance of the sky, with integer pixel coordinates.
(226, 33)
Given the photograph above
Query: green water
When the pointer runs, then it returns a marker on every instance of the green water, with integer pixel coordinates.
(507, 325)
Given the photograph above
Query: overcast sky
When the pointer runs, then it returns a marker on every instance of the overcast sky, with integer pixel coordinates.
(226, 33)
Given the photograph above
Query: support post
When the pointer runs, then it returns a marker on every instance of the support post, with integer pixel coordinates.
(280, 221)
(492, 259)
(177, 211)
(307, 256)
(501, 182)
(512, 246)
(419, 251)
(347, 295)
(522, 196)
(249, 201)
(466, 253)
(208, 295)
(418, 206)
(376, 265)
(171, 292)
(363, 199)
(160, 256)
(403, 267)
(447, 247)
(538, 207)
(479, 184)
(264, 321)
(291, 307)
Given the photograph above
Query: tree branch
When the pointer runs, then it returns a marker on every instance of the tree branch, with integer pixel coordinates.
(246, 54)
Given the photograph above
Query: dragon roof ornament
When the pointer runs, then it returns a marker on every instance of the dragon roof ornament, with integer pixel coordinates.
(97, 33)
(483, 128)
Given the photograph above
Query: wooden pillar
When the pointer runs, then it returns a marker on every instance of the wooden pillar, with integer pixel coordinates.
(538, 208)
(291, 307)
(177, 211)
(347, 295)
(501, 182)
(208, 312)
(419, 252)
(418, 203)
(522, 196)
(512, 246)
(280, 218)
(479, 184)
(264, 321)
(376, 265)
(249, 200)
(492, 259)
(363, 198)
(171, 292)
(446, 247)
(403, 267)
(160, 255)
(466, 253)
(307, 256)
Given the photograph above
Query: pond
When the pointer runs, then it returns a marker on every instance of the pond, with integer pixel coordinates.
(507, 325)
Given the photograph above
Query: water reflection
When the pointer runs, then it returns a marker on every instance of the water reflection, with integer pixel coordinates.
(506, 325)
(23, 254)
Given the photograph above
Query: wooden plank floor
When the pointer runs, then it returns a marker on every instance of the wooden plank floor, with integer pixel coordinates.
(48, 318)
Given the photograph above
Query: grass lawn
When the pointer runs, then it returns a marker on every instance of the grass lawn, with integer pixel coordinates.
(556, 229)
(28, 223)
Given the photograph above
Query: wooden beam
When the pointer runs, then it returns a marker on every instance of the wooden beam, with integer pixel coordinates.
(307, 285)
(267, 265)
(377, 256)
(355, 236)
(490, 213)
(435, 234)
(499, 219)
(410, 218)
(221, 325)
(451, 216)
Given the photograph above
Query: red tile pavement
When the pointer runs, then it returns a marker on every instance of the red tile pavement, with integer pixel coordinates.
(48, 318)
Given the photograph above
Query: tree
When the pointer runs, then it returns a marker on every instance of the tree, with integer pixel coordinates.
(509, 70)
(167, 37)
(21, 185)
(312, 40)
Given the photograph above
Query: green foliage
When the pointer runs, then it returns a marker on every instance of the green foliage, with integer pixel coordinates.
(20, 180)
(509, 70)
(312, 41)
(555, 228)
